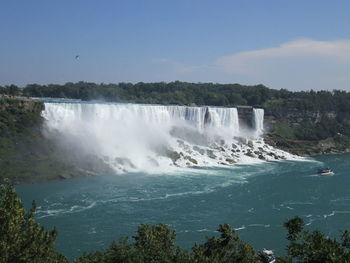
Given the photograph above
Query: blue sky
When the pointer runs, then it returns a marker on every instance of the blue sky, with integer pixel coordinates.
(293, 44)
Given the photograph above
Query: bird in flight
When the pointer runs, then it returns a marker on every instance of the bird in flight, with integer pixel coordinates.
(77, 57)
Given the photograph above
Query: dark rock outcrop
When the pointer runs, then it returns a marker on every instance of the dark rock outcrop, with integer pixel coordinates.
(245, 116)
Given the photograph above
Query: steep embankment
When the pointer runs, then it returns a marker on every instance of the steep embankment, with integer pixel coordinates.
(26, 155)
(306, 132)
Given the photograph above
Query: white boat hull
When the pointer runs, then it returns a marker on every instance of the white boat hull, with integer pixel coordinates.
(326, 174)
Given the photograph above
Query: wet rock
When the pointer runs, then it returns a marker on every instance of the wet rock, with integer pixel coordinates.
(124, 161)
(250, 154)
(261, 157)
(211, 154)
(65, 176)
(250, 144)
(231, 161)
(192, 160)
(241, 140)
(174, 156)
(197, 149)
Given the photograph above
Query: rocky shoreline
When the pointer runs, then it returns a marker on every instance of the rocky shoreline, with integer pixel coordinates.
(307, 148)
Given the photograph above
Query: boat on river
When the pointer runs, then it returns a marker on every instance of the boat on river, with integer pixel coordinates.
(325, 171)
(268, 255)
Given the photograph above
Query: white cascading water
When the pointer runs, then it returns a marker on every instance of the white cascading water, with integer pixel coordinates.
(151, 138)
(224, 117)
(258, 121)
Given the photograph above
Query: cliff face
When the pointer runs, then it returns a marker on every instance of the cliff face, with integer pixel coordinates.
(245, 114)
(21, 142)
(18, 116)
(9, 103)
(294, 116)
(307, 132)
(26, 155)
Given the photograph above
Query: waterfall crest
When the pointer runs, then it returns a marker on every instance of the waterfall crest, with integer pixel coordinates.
(197, 117)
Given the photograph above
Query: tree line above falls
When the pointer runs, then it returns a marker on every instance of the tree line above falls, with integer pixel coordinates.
(301, 115)
(184, 93)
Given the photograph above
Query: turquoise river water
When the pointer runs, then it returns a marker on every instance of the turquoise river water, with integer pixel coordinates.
(255, 199)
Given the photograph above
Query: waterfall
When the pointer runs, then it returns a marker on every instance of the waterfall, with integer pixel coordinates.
(59, 114)
(138, 137)
(224, 117)
(258, 121)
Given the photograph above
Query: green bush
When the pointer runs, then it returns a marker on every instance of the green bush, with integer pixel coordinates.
(22, 240)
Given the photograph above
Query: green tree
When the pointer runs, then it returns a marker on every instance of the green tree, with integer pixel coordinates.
(13, 90)
(153, 244)
(226, 248)
(315, 247)
(22, 240)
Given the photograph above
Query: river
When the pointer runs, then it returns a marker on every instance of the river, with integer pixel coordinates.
(255, 199)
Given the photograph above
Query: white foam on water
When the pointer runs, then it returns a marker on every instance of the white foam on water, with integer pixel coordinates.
(205, 230)
(312, 218)
(259, 225)
(328, 215)
(56, 212)
(240, 228)
(298, 203)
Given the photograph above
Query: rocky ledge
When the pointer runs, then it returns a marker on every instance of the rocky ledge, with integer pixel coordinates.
(11, 103)
(338, 144)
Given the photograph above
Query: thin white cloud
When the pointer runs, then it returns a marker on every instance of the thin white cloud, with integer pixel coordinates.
(179, 67)
(296, 65)
(250, 61)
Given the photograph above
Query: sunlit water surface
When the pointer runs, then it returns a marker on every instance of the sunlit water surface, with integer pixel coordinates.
(91, 212)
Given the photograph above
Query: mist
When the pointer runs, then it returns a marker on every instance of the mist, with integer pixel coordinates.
(155, 138)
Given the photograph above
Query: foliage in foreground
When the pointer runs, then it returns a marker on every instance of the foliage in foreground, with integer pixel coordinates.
(313, 247)
(155, 243)
(22, 240)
